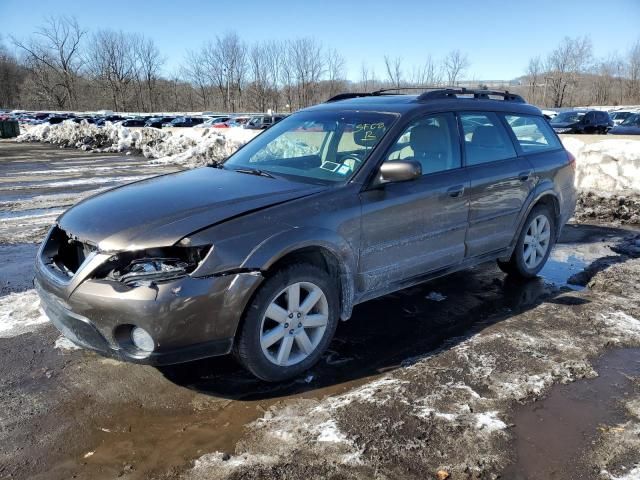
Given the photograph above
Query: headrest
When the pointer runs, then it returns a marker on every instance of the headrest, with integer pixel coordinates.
(428, 138)
(486, 136)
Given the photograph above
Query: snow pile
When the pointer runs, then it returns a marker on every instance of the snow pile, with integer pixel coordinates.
(606, 167)
(20, 313)
(195, 147)
(188, 147)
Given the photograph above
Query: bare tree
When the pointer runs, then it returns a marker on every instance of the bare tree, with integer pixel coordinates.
(429, 73)
(12, 76)
(275, 56)
(305, 55)
(54, 55)
(259, 77)
(195, 70)
(335, 72)
(455, 64)
(604, 81)
(534, 76)
(394, 70)
(633, 72)
(564, 65)
(226, 64)
(112, 61)
(149, 62)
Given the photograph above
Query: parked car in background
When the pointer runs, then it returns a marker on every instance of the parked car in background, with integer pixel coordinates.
(630, 126)
(134, 122)
(84, 119)
(55, 119)
(184, 122)
(575, 121)
(213, 121)
(262, 122)
(157, 122)
(620, 116)
(335, 205)
(108, 118)
(232, 122)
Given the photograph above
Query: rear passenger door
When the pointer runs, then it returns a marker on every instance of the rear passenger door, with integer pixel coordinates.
(500, 182)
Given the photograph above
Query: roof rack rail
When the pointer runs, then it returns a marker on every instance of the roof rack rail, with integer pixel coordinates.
(375, 93)
(345, 96)
(445, 93)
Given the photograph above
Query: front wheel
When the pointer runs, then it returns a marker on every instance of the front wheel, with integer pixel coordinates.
(534, 244)
(289, 323)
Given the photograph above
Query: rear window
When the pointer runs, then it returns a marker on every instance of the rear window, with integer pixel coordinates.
(533, 133)
(485, 140)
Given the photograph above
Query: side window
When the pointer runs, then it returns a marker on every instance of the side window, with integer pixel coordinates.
(533, 133)
(485, 140)
(430, 141)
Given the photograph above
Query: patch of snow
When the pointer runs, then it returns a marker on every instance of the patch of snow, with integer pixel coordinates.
(20, 313)
(329, 432)
(63, 343)
(622, 324)
(379, 391)
(633, 474)
(489, 421)
(219, 465)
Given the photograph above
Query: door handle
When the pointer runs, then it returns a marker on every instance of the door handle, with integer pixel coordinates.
(524, 176)
(456, 192)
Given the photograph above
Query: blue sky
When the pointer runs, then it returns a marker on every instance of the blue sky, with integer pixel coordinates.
(498, 36)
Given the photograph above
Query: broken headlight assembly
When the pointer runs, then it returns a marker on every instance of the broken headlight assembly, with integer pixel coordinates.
(153, 265)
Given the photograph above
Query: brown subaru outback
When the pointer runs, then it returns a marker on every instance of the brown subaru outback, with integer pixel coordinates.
(264, 253)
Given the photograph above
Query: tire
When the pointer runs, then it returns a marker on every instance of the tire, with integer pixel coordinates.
(528, 259)
(271, 325)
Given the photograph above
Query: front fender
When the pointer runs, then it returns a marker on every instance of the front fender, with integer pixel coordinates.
(276, 247)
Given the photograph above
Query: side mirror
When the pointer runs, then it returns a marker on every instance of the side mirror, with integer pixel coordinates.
(400, 171)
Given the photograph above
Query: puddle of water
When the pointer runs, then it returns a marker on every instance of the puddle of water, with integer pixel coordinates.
(567, 259)
(552, 435)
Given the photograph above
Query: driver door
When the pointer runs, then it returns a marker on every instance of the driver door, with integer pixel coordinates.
(419, 226)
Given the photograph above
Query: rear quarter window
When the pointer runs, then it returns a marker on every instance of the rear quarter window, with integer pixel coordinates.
(532, 133)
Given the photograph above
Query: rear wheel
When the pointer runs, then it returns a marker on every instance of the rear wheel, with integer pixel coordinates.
(534, 244)
(289, 323)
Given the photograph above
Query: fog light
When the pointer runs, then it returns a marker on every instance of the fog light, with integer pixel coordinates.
(142, 340)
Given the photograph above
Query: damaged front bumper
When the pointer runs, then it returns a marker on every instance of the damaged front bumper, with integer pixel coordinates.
(187, 318)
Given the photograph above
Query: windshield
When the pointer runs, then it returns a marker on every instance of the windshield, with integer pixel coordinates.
(620, 115)
(321, 147)
(568, 117)
(632, 120)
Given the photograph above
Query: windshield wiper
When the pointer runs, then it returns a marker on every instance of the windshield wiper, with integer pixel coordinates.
(254, 171)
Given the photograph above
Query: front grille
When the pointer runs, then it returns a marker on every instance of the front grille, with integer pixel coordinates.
(64, 253)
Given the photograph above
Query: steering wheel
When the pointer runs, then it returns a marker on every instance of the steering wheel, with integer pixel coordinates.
(352, 160)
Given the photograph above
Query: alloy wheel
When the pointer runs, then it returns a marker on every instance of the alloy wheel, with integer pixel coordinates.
(536, 241)
(294, 323)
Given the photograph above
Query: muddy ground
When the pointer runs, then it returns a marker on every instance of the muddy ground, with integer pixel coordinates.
(471, 376)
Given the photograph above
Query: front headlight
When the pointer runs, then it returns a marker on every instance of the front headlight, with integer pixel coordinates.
(153, 265)
(151, 269)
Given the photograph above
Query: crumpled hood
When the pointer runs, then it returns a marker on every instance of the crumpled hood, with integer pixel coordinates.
(160, 211)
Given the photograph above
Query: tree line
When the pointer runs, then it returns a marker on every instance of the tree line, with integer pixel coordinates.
(62, 66)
